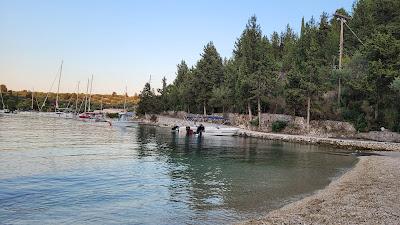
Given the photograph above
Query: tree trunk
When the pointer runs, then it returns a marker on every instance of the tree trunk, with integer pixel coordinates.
(249, 110)
(204, 108)
(308, 113)
(376, 110)
(339, 91)
(259, 112)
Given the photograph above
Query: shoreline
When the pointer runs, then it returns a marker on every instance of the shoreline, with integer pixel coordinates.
(366, 194)
(350, 144)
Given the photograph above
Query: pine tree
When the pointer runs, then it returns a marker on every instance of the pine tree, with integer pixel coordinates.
(209, 73)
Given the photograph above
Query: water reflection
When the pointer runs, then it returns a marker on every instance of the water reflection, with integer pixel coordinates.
(61, 171)
(238, 174)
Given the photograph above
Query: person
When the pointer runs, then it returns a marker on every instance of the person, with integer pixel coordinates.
(200, 129)
(189, 131)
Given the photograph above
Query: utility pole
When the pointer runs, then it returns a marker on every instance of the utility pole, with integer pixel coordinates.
(343, 20)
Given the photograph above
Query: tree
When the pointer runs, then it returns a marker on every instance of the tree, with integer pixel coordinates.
(164, 95)
(148, 101)
(305, 79)
(209, 73)
(247, 56)
(395, 86)
(220, 97)
(3, 88)
(382, 52)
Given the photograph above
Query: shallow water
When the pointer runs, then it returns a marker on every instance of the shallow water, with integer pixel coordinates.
(56, 171)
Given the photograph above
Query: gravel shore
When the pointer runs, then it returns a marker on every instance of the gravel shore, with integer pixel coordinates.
(367, 194)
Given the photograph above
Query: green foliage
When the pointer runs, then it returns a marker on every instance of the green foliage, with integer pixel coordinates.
(395, 86)
(278, 126)
(282, 72)
(149, 102)
(112, 115)
(255, 122)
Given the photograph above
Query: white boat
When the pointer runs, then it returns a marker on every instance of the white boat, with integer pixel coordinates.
(123, 120)
(207, 131)
(220, 131)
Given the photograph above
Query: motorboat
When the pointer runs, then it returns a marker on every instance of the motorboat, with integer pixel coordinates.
(123, 120)
(91, 117)
(206, 130)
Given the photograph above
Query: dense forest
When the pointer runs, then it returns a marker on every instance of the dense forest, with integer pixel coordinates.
(297, 73)
(22, 100)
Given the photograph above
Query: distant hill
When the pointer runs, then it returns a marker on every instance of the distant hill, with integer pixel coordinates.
(22, 100)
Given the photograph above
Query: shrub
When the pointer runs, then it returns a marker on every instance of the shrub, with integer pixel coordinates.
(153, 118)
(112, 115)
(254, 122)
(278, 125)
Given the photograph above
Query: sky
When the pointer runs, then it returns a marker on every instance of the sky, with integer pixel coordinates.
(125, 42)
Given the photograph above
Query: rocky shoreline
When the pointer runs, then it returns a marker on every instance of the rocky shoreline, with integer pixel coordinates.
(367, 194)
(352, 144)
(342, 143)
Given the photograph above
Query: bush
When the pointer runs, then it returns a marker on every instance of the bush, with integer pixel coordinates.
(278, 126)
(361, 124)
(112, 115)
(254, 122)
(153, 118)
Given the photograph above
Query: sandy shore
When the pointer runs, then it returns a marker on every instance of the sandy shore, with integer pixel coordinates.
(368, 194)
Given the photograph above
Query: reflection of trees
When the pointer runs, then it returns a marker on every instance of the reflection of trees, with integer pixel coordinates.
(238, 174)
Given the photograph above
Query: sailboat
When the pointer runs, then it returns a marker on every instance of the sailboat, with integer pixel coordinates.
(88, 115)
(4, 110)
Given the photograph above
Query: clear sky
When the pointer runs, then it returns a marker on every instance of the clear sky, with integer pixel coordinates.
(127, 41)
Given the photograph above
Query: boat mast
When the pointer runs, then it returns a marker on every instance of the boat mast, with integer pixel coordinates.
(33, 90)
(86, 95)
(101, 104)
(126, 94)
(90, 95)
(77, 97)
(58, 87)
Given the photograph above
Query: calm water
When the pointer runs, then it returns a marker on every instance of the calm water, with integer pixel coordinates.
(56, 171)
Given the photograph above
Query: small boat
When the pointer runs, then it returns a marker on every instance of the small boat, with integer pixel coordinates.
(220, 131)
(91, 117)
(123, 120)
(208, 131)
